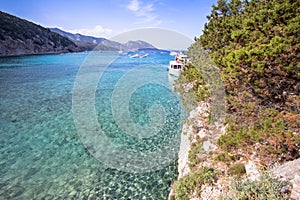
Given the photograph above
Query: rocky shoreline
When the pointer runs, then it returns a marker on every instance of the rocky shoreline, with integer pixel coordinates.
(197, 127)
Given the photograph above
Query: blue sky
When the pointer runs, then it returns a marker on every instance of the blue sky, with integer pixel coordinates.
(111, 17)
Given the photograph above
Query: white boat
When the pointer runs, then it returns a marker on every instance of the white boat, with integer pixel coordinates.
(175, 68)
(139, 55)
(173, 53)
(145, 55)
(181, 57)
(135, 56)
(176, 65)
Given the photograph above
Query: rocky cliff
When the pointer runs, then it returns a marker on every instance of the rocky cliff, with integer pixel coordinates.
(21, 37)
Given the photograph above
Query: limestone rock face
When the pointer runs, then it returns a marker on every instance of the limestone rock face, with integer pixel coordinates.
(252, 171)
(21, 37)
(290, 171)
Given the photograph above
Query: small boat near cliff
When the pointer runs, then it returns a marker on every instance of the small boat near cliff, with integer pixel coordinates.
(176, 65)
(173, 53)
(175, 68)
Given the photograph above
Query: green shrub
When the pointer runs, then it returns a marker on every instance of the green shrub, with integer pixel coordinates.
(268, 130)
(199, 90)
(237, 170)
(193, 158)
(265, 188)
(225, 157)
(193, 182)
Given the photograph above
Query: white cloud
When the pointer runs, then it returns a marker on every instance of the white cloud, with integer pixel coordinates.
(144, 12)
(134, 5)
(97, 31)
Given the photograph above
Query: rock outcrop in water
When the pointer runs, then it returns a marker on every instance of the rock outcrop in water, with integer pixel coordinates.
(21, 37)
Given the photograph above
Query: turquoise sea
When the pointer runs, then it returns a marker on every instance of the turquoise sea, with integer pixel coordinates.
(44, 153)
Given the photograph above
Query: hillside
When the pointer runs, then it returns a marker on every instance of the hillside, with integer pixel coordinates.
(253, 47)
(138, 44)
(89, 42)
(21, 37)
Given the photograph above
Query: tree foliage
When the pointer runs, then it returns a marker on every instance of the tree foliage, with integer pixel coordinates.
(256, 44)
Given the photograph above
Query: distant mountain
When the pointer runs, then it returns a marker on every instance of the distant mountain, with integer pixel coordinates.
(154, 50)
(134, 45)
(89, 42)
(78, 37)
(21, 37)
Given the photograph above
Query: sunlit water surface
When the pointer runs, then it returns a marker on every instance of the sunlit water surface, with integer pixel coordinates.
(41, 153)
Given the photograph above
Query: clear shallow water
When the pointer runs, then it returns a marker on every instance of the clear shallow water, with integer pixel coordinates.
(41, 153)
